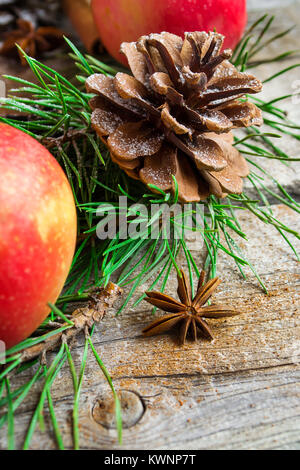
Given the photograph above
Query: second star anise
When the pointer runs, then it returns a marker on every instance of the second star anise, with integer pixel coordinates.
(34, 41)
(190, 312)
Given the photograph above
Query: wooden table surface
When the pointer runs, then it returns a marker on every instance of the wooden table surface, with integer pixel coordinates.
(240, 391)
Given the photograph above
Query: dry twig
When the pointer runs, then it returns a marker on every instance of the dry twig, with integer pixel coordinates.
(83, 318)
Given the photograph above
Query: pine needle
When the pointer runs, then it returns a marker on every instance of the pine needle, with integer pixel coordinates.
(10, 418)
(118, 410)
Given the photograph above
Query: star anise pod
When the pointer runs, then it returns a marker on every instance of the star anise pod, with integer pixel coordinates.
(188, 314)
(34, 41)
(175, 115)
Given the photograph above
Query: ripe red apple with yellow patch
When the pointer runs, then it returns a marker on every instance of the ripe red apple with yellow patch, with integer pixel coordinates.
(38, 229)
(127, 20)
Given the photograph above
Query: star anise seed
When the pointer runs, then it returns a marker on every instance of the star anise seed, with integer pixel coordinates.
(33, 41)
(188, 313)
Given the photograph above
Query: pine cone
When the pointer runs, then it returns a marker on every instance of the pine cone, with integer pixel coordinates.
(174, 116)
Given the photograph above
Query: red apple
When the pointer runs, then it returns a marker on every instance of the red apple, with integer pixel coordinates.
(127, 20)
(38, 229)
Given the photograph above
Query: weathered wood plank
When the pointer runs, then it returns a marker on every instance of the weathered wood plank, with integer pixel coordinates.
(239, 391)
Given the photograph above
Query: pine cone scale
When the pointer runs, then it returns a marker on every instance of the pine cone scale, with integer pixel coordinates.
(191, 186)
(160, 82)
(133, 140)
(171, 123)
(106, 121)
(158, 168)
(175, 115)
(103, 86)
(136, 61)
(126, 164)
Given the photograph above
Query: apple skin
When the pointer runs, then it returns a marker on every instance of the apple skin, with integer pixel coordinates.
(126, 20)
(38, 228)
